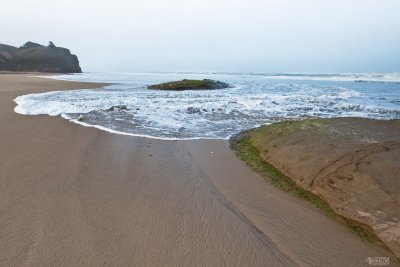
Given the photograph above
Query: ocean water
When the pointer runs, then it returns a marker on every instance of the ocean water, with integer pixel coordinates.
(253, 100)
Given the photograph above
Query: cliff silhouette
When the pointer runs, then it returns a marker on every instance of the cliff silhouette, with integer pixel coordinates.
(33, 57)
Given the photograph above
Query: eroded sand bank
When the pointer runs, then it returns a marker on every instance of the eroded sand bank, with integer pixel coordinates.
(351, 163)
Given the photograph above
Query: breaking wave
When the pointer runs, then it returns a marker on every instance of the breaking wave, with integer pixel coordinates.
(252, 101)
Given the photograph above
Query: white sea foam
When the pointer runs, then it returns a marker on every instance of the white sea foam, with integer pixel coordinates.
(350, 77)
(137, 135)
(252, 101)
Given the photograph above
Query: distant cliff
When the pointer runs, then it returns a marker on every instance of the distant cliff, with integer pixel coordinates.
(33, 57)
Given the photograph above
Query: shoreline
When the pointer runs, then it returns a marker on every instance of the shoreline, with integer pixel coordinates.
(73, 195)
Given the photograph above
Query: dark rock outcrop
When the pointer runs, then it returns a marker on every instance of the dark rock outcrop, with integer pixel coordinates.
(33, 57)
(192, 110)
(117, 108)
(205, 84)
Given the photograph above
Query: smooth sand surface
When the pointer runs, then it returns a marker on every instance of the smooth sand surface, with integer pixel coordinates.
(77, 196)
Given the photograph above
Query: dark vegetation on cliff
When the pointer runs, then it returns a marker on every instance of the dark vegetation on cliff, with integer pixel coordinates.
(33, 57)
(205, 84)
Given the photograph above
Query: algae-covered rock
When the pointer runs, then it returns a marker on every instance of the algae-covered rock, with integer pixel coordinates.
(205, 84)
(351, 163)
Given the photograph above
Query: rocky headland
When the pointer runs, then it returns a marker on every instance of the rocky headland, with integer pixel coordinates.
(33, 57)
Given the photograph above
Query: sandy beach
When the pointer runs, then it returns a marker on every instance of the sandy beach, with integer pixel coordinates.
(78, 196)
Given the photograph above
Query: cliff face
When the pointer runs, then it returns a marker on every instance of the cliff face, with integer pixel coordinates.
(34, 57)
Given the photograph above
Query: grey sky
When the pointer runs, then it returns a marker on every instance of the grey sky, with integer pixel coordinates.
(219, 35)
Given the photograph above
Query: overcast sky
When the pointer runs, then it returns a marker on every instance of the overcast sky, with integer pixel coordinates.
(213, 35)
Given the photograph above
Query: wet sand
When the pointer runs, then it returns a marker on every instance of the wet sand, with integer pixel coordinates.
(78, 196)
